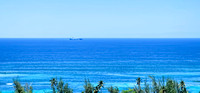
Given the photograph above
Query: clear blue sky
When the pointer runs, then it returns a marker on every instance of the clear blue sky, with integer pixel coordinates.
(100, 18)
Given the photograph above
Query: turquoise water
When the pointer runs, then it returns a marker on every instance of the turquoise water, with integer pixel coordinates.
(117, 62)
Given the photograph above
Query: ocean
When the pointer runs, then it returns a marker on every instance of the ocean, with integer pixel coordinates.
(118, 62)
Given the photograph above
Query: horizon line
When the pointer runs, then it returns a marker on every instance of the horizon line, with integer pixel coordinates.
(100, 38)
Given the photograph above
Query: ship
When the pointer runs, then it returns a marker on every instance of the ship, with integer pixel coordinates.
(75, 38)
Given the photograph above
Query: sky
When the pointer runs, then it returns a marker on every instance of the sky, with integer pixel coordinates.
(100, 18)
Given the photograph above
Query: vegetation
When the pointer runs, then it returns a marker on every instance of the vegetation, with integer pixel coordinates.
(53, 84)
(67, 89)
(156, 86)
(88, 87)
(28, 88)
(98, 87)
(170, 86)
(21, 89)
(112, 89)
(60, 86)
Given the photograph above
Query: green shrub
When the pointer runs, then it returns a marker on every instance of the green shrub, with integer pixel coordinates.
(129, 91)
(183, 88)
(157, 86)
(146, 87)
(67, 89)
(88, 87)
(53, 84)
(170, 86)
(112, 89)
(18, 87)
(98, 87)
(22, 89)
(138, 88)
(60, 86)
(28, 89)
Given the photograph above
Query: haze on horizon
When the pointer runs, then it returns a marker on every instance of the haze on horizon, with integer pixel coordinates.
(99, 18)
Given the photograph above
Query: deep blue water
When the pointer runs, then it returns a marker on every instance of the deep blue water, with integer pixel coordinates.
(117, 62)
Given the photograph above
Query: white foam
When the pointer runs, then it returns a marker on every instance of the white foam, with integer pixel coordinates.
(9, 84)
(11, 75)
